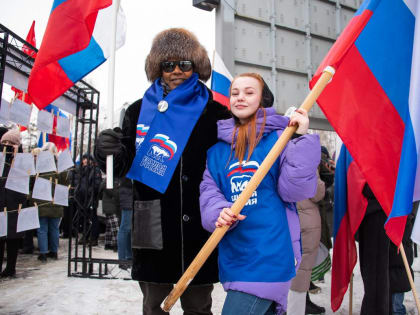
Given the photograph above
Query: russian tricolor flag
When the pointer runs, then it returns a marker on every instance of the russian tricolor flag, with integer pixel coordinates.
(76, 41)
(349, 210)
(373, 103)
(220, 81)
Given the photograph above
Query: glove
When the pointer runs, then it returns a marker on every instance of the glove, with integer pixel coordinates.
(109, 143)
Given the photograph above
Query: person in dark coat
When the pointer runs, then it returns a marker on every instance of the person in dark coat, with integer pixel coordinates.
(374, 258)
(167, 232)
(10, 200)
(398, 279)
(87, 180)
(111, 209)
(125, 190)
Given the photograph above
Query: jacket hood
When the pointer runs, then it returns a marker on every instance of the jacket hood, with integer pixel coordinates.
(273, 122)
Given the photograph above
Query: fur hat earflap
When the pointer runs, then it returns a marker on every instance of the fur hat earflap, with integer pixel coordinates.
(177, 44)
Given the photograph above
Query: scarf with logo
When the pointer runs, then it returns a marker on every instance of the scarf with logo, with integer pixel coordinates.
(161, 136)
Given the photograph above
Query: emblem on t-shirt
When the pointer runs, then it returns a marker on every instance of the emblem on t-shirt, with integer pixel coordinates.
(239, 175)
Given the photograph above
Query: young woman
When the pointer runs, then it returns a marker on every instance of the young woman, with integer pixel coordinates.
(259, 255)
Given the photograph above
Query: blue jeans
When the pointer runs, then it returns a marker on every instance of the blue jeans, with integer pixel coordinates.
(48, 234)
(243, 303)
(124, 235)
(398, 307)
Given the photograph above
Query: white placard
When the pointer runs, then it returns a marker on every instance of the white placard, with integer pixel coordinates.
(63, 127)
(45, 162)
(42, 189)
(2, 160)
(18, 180)
(3, 224)
(28, 219)
(20, 113)
(24, 162)
(4, 111)
(64, 161)
(44, 121)
(61, 195)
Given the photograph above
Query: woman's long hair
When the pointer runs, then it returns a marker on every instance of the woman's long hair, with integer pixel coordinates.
(245, 135)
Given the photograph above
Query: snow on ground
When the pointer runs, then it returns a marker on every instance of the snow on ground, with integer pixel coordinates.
(44, 288)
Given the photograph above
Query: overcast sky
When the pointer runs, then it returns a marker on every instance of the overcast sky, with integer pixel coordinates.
(144, 20)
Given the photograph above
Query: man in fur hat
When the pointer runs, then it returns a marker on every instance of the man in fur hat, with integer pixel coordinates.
(162, 148)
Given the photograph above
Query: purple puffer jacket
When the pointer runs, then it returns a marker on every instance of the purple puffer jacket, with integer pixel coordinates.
(297, 181)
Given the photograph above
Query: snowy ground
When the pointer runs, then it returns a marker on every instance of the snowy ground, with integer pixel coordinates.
(44, 288)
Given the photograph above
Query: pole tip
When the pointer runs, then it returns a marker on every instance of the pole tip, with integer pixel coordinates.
(329, 69)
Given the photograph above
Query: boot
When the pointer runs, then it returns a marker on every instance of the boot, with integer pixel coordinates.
(314, 289)
(52, 255)
(42, 257)
(8, 273)
(312, 308)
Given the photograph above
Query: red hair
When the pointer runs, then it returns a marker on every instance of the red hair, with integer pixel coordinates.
(245, 135)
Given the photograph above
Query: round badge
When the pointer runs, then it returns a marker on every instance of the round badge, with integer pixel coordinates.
(163, 106)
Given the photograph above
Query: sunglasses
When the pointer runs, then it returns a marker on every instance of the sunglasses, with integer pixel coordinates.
(184, 65)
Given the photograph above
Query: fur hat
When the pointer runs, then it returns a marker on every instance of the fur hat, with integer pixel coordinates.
(177, 44)
(12, 136)
(3, 130)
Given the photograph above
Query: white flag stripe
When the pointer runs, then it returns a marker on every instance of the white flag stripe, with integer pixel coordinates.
(219, 66)
(414, 106)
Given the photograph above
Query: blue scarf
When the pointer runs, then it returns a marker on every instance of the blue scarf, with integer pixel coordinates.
(161, 136)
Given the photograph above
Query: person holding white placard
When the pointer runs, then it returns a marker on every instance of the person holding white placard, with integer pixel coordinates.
(12, 201)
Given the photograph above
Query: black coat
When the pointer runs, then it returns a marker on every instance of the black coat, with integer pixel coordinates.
(398, 278)
(167, 232)
(110, 198)
(10, 199)
(87, 180)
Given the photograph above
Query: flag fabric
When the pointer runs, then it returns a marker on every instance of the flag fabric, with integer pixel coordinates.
(349, 210)
(220, 81)
(30, 38)
(60, 142)
(76, 41)
(415, 113)
(370, 105)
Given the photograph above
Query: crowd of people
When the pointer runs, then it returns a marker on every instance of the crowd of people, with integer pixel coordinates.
(181, 160)
(57, 221)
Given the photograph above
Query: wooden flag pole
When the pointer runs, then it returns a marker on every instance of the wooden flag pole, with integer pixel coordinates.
(410, 278)
(252, 185)
(110, 105)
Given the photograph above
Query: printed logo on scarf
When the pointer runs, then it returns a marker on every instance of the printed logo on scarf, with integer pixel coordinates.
(240, 175)
(141, 134)
(161, 150)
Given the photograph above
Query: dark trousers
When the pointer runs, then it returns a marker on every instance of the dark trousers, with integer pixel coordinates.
(12, 252)
(66, 222)
(196, 300)
(374, 264)
(28, 240)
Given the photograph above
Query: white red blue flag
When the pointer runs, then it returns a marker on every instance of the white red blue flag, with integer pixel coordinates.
(76, 41)
(371, 104)
(220, 81)
(61, 143)
(349, 210)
